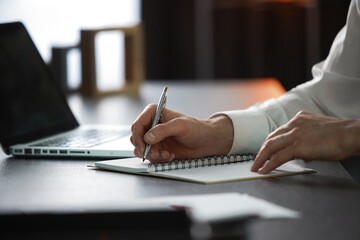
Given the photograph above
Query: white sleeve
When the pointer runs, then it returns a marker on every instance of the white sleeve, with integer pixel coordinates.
(334, 91)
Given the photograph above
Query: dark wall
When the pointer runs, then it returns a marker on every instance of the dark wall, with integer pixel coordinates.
(273, 39)
(260, 40)
(169, 36)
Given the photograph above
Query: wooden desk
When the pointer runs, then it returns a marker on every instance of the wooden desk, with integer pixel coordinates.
(329, 200)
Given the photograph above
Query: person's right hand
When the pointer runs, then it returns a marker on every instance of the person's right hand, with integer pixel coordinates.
(178, 136)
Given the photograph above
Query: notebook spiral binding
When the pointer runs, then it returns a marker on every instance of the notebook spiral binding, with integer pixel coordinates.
(200, 162)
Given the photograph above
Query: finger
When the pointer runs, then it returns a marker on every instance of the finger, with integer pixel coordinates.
(174, 128)
(277, 160)
(270, 147)
(156, 155)
(280, 130)
(166, 156)
(140, 126)
(139, 145)
(144, 122)
(138, 153)
(168, 115)
(146, 116)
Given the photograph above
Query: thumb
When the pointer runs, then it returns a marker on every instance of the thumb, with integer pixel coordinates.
(173, 128)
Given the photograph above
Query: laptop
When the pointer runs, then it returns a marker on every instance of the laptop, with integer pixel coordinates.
(35, 117)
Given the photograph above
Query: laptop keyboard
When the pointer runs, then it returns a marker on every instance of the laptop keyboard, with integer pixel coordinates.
(83, 138)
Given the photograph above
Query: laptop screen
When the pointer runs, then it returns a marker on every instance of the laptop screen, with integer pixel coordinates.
(31, 104)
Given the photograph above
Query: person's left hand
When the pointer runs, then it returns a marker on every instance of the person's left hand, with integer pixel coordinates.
(309, 136)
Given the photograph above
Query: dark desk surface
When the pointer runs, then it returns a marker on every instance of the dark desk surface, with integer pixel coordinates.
(329, 200)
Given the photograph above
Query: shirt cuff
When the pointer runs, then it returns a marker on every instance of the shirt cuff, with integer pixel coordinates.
(250, 130)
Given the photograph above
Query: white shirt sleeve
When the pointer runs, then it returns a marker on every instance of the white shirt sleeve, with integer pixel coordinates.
(333, 91)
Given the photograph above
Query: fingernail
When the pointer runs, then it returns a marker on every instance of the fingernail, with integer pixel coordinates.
(150, 137)
(262, 171)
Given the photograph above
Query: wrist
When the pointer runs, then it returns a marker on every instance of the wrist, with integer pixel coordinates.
(222, 131)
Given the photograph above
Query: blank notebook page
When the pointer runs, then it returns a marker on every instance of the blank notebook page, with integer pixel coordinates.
(226, 173)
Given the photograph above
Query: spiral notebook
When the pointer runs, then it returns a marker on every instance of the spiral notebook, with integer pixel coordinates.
(209, 170)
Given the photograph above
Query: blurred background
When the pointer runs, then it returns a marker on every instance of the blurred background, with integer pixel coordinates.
(194, 39)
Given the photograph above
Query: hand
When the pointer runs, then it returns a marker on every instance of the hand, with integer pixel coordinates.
(309, 136)
(178, 136)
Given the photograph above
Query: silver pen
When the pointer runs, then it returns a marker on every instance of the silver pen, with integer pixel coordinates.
(160, 107)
